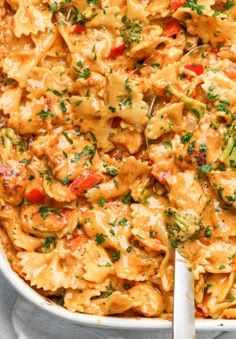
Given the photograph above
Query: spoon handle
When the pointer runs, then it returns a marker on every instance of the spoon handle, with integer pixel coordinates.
(184, 310)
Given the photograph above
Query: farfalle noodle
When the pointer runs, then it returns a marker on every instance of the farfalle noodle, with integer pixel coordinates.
(118, 144)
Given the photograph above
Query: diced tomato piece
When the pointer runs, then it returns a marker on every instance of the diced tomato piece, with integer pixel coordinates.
(197, 69)
(117, 51)
(35, 196)
(76, 240)
(84, 181)
(214, 50)
(79, 29)
(116, 122)
(175, 4)
(171, 28)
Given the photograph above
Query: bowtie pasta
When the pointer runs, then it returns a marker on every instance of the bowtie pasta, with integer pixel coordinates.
(117, 145)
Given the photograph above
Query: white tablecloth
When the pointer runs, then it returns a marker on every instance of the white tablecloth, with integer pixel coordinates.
(21, 320)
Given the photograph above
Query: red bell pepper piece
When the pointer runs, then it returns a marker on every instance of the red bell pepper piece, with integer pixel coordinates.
(175, 4)
(35, 196)
(79, 29)
(172, 27)
(117, 51)
(84, 181)
(116, 122)
(197, 69)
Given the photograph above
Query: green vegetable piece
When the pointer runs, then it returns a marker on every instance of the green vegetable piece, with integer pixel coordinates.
(49, 241)
(195, 106)
(228, 155)
(181, 226)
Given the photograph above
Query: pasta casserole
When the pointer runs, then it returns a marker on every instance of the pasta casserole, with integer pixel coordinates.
(117, 145)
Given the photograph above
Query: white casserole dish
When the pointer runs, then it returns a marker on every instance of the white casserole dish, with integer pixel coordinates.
(92, 320)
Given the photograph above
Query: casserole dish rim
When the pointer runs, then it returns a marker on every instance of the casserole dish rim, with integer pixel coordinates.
(28, 293)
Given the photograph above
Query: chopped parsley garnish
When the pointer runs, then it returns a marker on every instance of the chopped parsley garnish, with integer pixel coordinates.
(123, 222)
(129, 248)
(231, 198)
(220, 192)
(174, 243)
(151, 233)
(55, 92)
(100, 238)
(31, 177)
(53, 8)
(126, 102)
(87, 150)
(191, 147)
(115, 255)
(93, 2)
(216, 13)
(229, 4)
(132, 31)
(167, 144)
(112, 171)
(205, 168)
(221, 267)
(92, 136)
(208, 232)
(112, 232)
(210, 95)
(208, 285)
(83, 73)
(223, 107)
(193, 5)
(155, 65)
(63, 107)
(47, 173)
(101, 202)
(68, 138)
(78, 103)
(65, 154)
(182, 76)
(65, 181)
(112, 109)
(126, 198)
(49, 241)
(110, 289)
(45, 210)
(78, 18)
(231, 296)
(116, 183)
(185, 138)
(127, 86)
(203, 148)
(44, 114)
(25, 162)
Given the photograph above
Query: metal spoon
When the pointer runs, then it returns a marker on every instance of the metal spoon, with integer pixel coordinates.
(183, 325)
